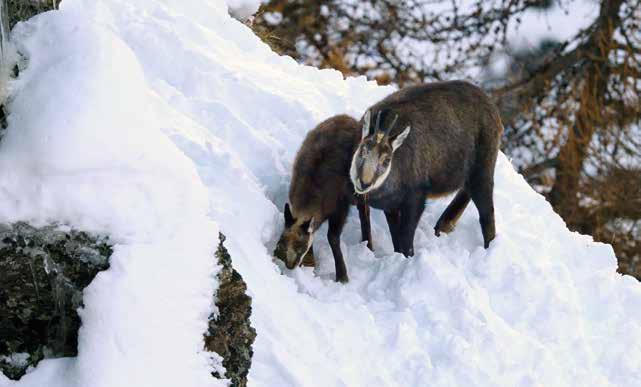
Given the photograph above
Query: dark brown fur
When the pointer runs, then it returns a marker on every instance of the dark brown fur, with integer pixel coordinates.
(320, 178)
(452, 145)
(321, 188)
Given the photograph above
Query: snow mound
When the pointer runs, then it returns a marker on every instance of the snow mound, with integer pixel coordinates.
(159, 122)
(243, 9)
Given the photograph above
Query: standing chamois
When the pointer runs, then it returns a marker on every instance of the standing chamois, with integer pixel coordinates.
(321, 190)
(448, 140)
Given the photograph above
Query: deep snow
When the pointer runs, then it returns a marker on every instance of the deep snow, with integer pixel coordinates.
(159, 122)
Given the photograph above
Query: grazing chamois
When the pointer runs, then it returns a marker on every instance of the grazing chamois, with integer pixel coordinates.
(321, 190)
(447, 139)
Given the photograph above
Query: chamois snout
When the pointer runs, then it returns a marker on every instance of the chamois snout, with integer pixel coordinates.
(295, 241)
(372, 160)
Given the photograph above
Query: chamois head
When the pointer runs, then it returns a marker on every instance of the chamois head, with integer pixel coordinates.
(295, 241)
(372, 161)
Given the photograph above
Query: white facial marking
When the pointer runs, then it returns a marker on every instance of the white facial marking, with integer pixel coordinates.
(377, 182)
(353, 174)
(366, 120)
(309, 246)
(398, 141)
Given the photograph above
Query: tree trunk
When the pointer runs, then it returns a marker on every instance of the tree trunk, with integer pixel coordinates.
(590, 116)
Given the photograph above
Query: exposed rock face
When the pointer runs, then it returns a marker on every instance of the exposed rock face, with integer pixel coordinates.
(19, 10)
(230, 334)
(42, 274)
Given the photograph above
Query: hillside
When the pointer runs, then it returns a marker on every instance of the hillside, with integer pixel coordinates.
(161, 123)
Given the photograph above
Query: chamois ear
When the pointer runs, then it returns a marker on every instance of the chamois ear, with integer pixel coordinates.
(289, 219)
(398, 140)
(366, 122)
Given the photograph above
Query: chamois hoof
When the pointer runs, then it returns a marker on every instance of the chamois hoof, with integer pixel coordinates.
(342, 279)
(443, 227)
(409, 253)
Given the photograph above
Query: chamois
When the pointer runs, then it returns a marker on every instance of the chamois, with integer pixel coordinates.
(322, 190)
(447, 139)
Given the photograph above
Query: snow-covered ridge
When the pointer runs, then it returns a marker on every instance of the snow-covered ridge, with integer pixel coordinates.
(160, 122)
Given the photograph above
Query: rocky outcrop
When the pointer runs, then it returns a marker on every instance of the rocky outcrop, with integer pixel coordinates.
(18, 10)
(42, 274)
(230, 333)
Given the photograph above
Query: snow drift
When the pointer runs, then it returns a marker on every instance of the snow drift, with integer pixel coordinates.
(161, 122)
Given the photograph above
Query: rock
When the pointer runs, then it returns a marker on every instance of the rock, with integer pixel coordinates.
(19, 10)
(43, 272)
(230, 333)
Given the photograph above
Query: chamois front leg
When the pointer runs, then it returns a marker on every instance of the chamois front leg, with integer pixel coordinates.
(336, 223)
(394, 223)
(411, 212)
(366, 228)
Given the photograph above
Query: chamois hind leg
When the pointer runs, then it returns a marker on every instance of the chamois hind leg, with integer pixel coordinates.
(411, 212)
(481, 190)
(452, 213)
(394, 222)
(336, 223)
(366, 229)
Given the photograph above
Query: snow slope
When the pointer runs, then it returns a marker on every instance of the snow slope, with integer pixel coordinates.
(160, 122)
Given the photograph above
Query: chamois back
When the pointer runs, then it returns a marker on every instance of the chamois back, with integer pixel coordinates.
(321, 168)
